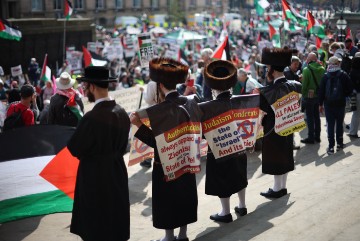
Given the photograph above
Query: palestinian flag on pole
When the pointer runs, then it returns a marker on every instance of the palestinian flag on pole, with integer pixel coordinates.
(38, 177)
(89, 61)
(290, 13)
(260, 6)
(223, 50)
(274, 36)
(314, 26)
(67, 9)
(9, 32)
(45, 71)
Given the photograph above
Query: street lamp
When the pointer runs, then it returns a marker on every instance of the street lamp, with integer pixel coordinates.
(341, 25)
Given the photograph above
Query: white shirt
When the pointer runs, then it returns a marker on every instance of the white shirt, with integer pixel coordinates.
(102, 99)
(283, 76)
(150, 93)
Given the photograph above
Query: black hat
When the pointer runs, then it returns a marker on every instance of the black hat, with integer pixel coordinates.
(97, 75)
(220, 75)
(278, 58)
(164, 70)
(27, 91)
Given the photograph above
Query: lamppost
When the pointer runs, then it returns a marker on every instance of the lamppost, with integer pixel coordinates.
(341, 24)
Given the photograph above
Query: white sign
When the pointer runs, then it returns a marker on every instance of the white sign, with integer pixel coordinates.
(145, 49)
(16, 70)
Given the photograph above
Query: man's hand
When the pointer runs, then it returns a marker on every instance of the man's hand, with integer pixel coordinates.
(321, 109)
(135, 119)
(190, 90)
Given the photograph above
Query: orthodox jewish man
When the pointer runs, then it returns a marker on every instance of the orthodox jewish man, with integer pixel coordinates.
(101, 205)
(174, 203)
(226, 175)
(277, 151)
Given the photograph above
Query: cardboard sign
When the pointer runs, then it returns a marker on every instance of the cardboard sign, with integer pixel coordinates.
(146, 52)
(16, 70)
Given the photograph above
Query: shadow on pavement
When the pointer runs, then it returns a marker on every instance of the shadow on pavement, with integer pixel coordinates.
(19, 228)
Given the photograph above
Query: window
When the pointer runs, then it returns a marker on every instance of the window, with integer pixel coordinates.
(119, 4)
(79, 4)
(36, 5)
(192, 3)
(99, 4)
(219, 3)
(208, 3)
(58, 4)
(136, 3)
(154, 4)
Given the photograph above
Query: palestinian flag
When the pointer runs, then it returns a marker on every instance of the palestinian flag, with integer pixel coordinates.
(9, 32)
(349, 34)
(45, 71)
(37, 172)
(74, 107)
(274, 36)
(223, 50)
(67, 9)
(89, 61)
(260, 6)
(314, 26)
(318, 42)
(290, 13)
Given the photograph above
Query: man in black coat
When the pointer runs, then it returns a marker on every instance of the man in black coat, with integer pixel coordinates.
(174, 203)
(277, 150)
(101, 205)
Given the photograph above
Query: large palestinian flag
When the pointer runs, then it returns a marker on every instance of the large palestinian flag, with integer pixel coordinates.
(37, 172)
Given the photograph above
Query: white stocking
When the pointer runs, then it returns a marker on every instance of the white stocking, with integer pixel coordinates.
(182, 232)
(225, 203)
(283, 181)
(277, 183)
(169, 235)
(241, 195)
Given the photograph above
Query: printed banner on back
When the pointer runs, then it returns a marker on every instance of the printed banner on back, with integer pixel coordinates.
(178, 137)
(231, 127)
(288, 115)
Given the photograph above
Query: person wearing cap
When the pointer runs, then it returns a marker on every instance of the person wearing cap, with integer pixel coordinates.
(28, 96)
(229, 175)
(33, 72)
(312, 75)
(246, 84)
(174, 203)
(334, 79)
(59, 114)
(350, 48)
(101, 208)
(277, 151)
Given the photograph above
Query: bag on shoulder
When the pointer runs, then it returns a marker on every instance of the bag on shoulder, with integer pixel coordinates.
(14, 120)
(334, 93)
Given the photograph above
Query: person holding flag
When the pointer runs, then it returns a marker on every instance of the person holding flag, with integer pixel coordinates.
(101, 204)
(277, 150)
(174, 202)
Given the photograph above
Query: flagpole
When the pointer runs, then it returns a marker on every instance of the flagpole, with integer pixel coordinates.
(64, 57)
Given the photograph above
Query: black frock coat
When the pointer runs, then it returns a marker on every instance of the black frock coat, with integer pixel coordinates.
(174, 203)
(277, 151)
(225, 176)
(101, 205)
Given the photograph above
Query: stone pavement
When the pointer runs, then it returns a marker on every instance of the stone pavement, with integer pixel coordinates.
(322, 204)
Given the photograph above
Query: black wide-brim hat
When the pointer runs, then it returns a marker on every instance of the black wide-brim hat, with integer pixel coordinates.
(220, 75)
(96, 74)
(165, 70)
(278, 58)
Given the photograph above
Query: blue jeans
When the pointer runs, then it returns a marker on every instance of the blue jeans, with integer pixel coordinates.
(335, 118)
(312, 117)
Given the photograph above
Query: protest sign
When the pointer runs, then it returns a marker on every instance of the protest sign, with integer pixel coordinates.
(288, 115)
(173, 52)
(128, 98)
(178, 137)
(139, 151)
(16, 70)
(145, 49)
(74, 59)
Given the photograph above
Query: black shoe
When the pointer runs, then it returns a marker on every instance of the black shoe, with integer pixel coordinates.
(317, 139)
(307, 141)
(347, 127)
(353, 136)
(241, 211)
(330, 150)
(272, 194)
(146, 163)
(339, 147)
(183, 239)
(284, 190)
(224, 219)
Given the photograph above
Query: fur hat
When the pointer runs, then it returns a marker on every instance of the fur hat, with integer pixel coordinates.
(278, 58)
(220, 75)
(163, 70)
(97, 75)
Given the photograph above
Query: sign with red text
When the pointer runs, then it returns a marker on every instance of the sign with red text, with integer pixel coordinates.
(288, 115)
(139, 151)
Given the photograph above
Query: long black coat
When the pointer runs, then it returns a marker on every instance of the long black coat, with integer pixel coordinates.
(174, 203)
(101, 205)
(277, 151)
(226, 176)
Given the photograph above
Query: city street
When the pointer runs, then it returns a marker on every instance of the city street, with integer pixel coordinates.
(322, 203)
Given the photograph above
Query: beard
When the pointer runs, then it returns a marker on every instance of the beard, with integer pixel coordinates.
(160, 95)
(270, 75)
(91, 96)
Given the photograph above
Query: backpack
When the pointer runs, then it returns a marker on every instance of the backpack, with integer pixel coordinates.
(346, 63)
(14, 120)
(334, 93)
